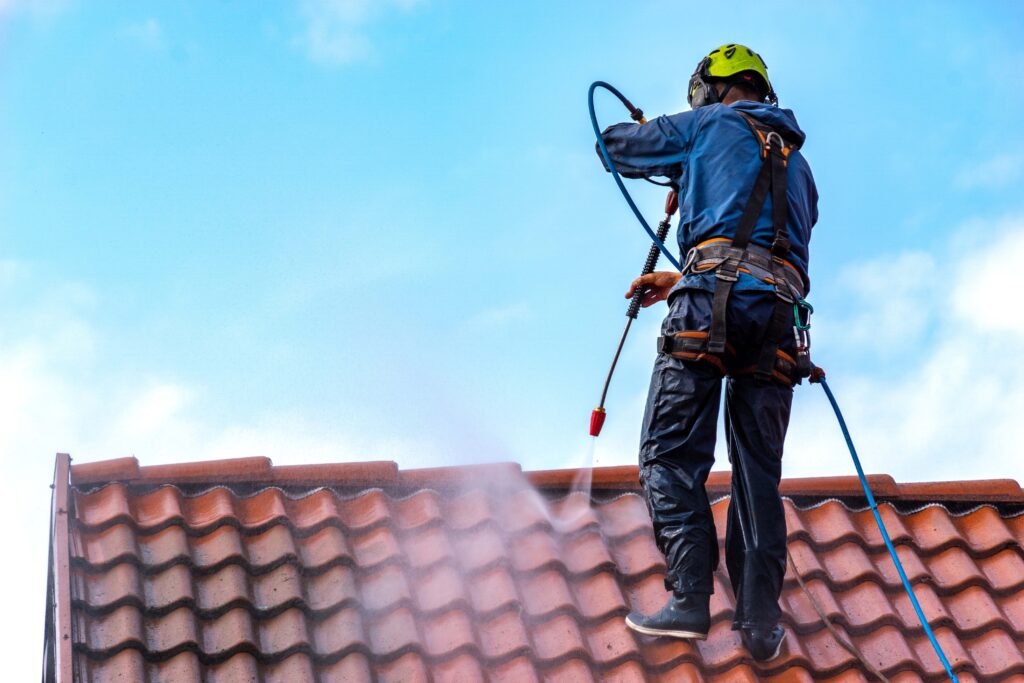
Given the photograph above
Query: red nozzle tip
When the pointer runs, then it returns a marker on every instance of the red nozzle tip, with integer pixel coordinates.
(671, 202)
(597, 421)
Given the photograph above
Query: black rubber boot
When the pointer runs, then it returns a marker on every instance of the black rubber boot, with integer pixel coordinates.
(686, 615)
(764, 645)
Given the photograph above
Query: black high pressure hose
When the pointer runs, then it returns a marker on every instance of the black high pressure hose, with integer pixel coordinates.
(637, 115)
(657, 248)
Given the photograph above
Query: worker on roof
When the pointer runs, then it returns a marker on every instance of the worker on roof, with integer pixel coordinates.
(747, 203)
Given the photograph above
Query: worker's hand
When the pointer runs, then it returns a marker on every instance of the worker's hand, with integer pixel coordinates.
(656, 286)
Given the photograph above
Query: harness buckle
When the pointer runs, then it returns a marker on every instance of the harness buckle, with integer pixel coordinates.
(728, 271)
(782, 292)
(780, 246)
(768, 141)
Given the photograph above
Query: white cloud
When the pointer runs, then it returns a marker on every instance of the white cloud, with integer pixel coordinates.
(896, 296)
(999, 171)
(147, 34)
(952, 411)
(155, 409)
(987, 296)
(335, 30)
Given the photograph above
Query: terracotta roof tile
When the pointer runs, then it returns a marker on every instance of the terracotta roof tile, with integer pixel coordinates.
(409, 668)
(995, 654)
(801, 611)
(587, 553)
(246, 571)
(558, 639)
(517, 670)
(449, 632)
(504, 636)
(1003, 571)
(480, 548)
(461, 669)
(340, 631)
(599, 596)
(427, 547)
(441, 588)
(418, 510)
(571, 670)
(624, 516)
(627, 672)
(637, 556)
(535, 550)
(393, 631)
(352, 667)
(492, 590)
(546, 592)
(610, 644)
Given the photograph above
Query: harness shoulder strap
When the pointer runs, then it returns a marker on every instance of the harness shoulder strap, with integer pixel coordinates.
(775, 155)
(771, 177)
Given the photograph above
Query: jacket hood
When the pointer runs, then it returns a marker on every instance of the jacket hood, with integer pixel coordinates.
(783, 120)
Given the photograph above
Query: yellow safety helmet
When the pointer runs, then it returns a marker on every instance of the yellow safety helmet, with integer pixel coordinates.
(727, 63)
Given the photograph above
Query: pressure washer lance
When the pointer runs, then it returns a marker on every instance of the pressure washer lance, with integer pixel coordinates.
(671, 205)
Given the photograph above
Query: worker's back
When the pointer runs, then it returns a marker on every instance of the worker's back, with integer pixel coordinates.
(721, 168)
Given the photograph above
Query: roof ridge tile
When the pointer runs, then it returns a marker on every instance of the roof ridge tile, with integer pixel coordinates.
(364, 473)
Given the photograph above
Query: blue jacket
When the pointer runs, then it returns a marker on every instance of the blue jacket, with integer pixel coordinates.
(714, 157)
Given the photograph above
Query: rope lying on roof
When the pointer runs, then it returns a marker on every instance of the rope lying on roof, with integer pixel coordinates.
(847, 645)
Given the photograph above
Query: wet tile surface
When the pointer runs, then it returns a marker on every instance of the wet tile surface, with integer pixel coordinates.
(488, 580)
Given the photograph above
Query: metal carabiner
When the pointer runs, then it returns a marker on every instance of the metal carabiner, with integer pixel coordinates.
(798, 319)
(691, 258)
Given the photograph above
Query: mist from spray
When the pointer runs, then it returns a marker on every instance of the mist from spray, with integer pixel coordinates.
(569, 512)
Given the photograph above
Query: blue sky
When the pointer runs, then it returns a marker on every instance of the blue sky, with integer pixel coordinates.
(351, 230)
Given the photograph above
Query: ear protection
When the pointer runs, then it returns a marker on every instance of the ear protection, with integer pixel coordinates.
(700, 92)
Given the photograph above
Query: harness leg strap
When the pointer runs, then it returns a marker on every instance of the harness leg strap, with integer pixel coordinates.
(777, 328)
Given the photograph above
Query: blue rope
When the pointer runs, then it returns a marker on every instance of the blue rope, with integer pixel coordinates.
(885, 533)
(615, 174)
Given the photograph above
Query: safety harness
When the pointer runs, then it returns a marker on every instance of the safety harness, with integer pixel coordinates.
(728, 259)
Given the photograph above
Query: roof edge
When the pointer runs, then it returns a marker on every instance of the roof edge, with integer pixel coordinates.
(57, 647)
(261, 470)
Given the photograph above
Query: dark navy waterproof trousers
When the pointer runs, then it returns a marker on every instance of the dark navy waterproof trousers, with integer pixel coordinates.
(677, 451)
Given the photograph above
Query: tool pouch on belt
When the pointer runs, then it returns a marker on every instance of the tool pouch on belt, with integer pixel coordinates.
(728, 259)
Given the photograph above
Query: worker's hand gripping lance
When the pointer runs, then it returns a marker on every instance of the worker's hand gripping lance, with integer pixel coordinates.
(671, 204)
